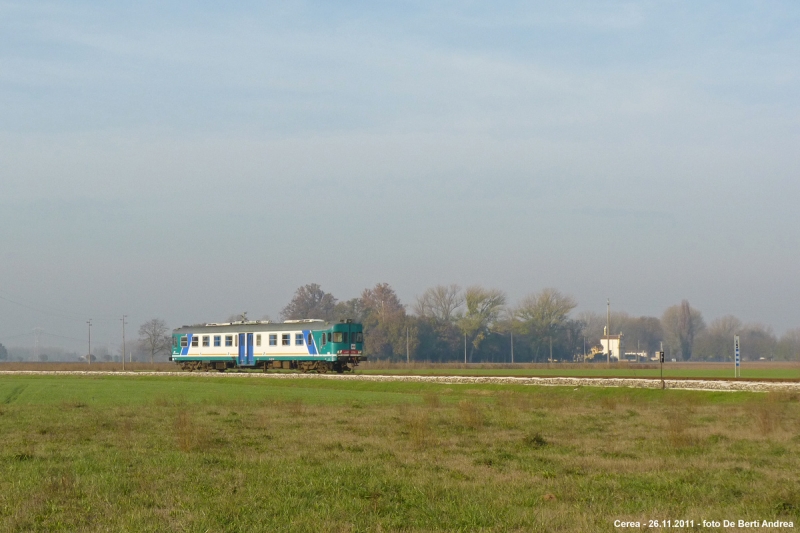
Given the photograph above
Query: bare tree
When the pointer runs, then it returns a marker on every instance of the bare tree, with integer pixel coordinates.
(310, 301)
(681, 325)
(440, 303)
(758, 341)
(438, 311)
(594, 324)
(789, 345)
(716, 342)
(545, 315)
(154, 337)
(546, 309)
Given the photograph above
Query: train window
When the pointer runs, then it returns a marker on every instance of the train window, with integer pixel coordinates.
(273, 339)
(228, 340)
(337, 336)
(310, 340)
(217, 340)
(194, 341)
(184, 342)
(358, 336)
(206, 340)
(258, 340)
(298, 339)
(174, 342)
(324, 341)
(285, 339)
(329, 336)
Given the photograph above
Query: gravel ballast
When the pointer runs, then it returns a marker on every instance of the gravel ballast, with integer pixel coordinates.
(682, 384)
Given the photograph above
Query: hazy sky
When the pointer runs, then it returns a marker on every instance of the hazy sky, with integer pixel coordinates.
(187, 161)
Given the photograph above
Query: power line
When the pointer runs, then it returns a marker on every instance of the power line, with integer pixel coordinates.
(32, 333)
(63, 337)
(18, 335)
(58, 313)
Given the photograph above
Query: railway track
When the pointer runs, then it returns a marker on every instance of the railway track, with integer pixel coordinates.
(709, 384)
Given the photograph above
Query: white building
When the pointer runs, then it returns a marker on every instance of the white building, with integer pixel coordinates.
(613, 344)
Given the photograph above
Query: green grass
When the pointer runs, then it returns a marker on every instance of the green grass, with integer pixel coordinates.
(600, 371)
(102, 453)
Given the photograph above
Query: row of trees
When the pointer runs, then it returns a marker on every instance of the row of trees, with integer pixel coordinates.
(451, 323)
(448, 323)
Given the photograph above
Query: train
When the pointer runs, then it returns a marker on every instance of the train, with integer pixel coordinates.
(308, 345)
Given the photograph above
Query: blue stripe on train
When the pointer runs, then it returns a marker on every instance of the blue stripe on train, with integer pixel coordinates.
(312, 346)
(185, 351)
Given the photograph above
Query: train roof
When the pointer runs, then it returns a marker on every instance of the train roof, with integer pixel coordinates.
(258, 325)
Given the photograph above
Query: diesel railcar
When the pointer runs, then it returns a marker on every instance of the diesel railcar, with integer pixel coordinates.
(305, 345)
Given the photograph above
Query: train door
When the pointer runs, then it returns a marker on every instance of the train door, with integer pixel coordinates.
(351, 336)
(246, 357)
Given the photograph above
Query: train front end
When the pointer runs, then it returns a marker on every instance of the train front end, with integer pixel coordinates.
(347, 343)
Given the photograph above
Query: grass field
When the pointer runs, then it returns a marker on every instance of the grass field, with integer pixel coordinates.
(669, 373)
(121, 453)
(750, 370)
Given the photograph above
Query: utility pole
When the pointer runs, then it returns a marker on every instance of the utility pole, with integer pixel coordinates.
(408, 357)
(37, 332)
(512, 347)
(608, 331)
(123, 342)
(89, 357)
(465, 348)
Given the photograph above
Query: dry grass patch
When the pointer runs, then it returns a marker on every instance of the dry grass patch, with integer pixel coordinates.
(507, 412)
(432, 400)
(189, 435)
(534, 440)
(769, 413)
(418, 425)
(677, 428)
(471, 414)
(609, 403)
(296, 407)
(765, 416)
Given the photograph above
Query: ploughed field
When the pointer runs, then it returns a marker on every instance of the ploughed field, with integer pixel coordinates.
(155, 453)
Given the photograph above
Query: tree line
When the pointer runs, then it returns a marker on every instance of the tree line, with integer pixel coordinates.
(451, 323)
(476, 324)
